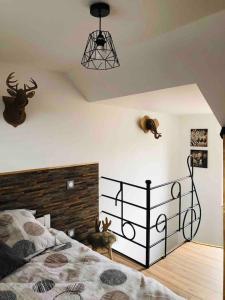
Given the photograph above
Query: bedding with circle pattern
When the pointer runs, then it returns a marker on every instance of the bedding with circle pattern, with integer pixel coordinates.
(75, 272)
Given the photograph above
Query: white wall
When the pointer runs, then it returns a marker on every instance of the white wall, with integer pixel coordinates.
(208, 181)
(62, 128)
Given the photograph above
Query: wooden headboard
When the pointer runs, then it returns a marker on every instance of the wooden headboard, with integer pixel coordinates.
(45, 190)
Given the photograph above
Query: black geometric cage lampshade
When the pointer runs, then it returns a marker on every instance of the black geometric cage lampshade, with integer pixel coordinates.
(100, 53)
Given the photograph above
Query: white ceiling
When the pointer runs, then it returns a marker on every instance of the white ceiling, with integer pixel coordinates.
(160, 43)
(185, 100)
(53, 33)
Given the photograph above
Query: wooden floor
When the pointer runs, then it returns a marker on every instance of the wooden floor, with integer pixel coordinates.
(193, 271)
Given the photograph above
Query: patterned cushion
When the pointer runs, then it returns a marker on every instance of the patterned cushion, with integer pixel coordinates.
(22, 232)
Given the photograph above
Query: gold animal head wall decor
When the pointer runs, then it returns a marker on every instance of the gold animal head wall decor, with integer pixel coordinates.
(147, 124)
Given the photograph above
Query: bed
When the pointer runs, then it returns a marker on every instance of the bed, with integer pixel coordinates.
(61, 267)
(73, 271)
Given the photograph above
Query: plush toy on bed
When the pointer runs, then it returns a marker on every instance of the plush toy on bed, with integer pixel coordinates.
(102, 238)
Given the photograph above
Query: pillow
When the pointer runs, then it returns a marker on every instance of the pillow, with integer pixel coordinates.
(9, 261)
(20, 230)
(30, 210)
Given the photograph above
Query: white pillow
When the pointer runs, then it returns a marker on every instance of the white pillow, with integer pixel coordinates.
(32, 211)
(20, 230)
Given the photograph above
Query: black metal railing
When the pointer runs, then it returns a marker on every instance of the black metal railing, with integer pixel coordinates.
(193, 211)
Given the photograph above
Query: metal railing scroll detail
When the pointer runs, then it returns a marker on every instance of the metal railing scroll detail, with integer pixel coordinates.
(187, 218)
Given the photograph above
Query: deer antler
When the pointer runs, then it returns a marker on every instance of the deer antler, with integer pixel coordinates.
(106, 224)
(97, 225)
(27, 88)
(10, 82)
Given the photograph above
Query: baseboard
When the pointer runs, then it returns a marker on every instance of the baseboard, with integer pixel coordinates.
(209, 245)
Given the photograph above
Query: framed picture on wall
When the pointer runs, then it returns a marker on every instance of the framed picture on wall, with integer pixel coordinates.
(199, 137)
(200, 158)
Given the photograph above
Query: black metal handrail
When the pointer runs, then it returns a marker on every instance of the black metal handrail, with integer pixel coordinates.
(162, 218)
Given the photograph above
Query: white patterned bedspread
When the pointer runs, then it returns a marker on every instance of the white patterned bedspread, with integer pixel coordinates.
(79, 273)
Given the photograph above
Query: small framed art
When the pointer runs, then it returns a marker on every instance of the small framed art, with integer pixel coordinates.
(199, 137)
(200, 158)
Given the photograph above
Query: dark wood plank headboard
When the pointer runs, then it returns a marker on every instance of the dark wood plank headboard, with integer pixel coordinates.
(45, 190)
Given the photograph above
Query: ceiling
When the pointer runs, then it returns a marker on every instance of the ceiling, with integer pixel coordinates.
(186, 99)
(53, 33)
(161, 44)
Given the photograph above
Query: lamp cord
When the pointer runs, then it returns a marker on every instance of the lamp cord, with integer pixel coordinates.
(100, 20)
(100, 23)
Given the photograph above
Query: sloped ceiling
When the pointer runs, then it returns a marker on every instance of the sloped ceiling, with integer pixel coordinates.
(161, 44)
(185, 100)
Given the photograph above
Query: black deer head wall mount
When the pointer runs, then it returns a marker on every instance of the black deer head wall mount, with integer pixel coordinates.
(14, 112)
